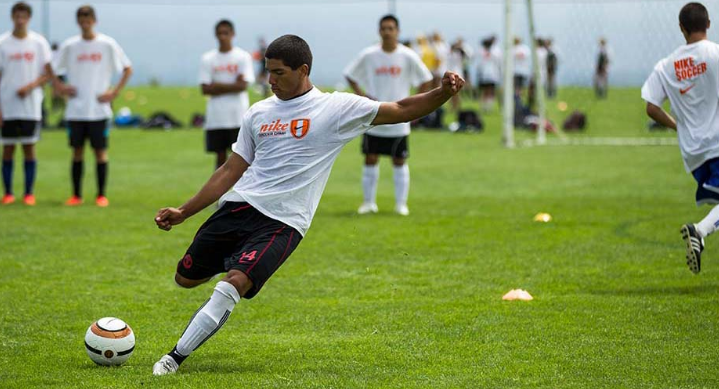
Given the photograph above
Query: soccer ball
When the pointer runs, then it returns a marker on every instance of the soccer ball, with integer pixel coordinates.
(109, 341)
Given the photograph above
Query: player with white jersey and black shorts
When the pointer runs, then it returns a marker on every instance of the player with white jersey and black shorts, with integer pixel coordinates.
(24, 60)
(89, 62)
(387, 72)
(689, 78)
(225, 74)
(271, 184)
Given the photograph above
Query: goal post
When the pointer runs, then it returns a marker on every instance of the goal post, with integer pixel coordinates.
(539, 82)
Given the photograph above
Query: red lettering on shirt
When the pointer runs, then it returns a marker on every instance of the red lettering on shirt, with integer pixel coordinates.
(89, 57)
(392, 71)
(686, 69)
(231, 68)
(22, 56)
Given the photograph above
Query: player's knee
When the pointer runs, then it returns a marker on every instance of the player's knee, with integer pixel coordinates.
(186, 282)
(398, 162)
(239, 280)
(371, 159)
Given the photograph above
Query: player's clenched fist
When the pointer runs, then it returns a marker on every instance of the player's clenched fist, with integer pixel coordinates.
(452, 83)
(168, 217)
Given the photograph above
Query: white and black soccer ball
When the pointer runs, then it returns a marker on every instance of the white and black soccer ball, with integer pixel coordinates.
(109, 341)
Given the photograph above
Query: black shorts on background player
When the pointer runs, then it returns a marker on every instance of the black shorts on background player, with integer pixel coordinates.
(97, 131)
(394, 147)
(239, 237)
(20, 131)
(220, 139)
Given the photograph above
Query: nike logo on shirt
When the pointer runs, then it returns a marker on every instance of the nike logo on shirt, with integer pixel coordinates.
(684, 91)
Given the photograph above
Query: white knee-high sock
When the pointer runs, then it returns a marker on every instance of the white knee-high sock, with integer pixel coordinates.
(370, 177)
(208, 319)
(401, 184)
(709, 224)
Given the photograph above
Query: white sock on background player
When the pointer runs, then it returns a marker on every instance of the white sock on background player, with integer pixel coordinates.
(370, 177)
(709, 224)
(208, 319)
(401, 184)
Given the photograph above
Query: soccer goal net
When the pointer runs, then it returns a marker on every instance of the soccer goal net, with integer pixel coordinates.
(591, 57)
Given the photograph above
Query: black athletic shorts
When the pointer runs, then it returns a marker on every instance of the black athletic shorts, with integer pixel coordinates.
(97, 130)
(239, 237)
(220, 139)
(20, 131)
(394, 147)
(520, 81)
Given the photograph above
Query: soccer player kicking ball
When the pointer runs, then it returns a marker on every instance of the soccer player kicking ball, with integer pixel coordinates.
(387, 72)
(224, 76)
(90, 60)
(689, 78)
(277, 172)
(24, 57)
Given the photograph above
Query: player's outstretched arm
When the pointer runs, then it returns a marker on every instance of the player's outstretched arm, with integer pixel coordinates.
(417, 106)
(219, 183)
(659, 115)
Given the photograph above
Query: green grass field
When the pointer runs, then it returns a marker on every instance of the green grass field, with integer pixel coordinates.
(380, 301)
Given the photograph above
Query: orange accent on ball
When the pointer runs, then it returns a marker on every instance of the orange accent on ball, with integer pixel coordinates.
(108, 334)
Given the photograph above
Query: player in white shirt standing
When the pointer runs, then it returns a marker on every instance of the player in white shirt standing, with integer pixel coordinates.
(387, 72)
(24, 59)
(689, 78)
(89, 61)
(275, 178)
(489, 71)
(522, 65)
(225, 74)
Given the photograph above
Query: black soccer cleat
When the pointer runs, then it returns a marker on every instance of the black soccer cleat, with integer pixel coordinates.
(694, 245)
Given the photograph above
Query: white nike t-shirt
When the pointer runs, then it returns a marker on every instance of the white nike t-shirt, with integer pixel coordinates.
(291, 146)
(489, 69)
(89, 66)
(22, 61)
(225, 111)
(689, 78)
(388, 77)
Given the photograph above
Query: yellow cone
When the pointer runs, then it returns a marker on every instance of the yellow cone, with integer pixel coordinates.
(543, 217)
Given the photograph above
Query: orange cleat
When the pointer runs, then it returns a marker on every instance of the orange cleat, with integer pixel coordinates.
(29, 199)
(102, 201)
(73, 201)
(8, 199)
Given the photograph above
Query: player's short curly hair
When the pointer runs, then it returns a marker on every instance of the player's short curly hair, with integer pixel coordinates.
(694, 17)
(21, 7)
(292, 50)
(389, 17)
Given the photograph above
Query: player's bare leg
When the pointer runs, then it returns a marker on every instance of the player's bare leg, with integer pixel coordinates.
(207, 320)
(77, 173)
(401, 185)
(30, 167)
(221, 158)
(101, 160)
(370, 178)
(8, 152)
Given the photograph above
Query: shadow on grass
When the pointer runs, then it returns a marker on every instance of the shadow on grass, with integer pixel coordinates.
(659, 290)
(624, 230)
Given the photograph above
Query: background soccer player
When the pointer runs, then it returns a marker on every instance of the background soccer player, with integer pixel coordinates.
(24, 56)
(387, 72)
(89, 62)
(277, 172)
(689, 78)
(224, 76)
